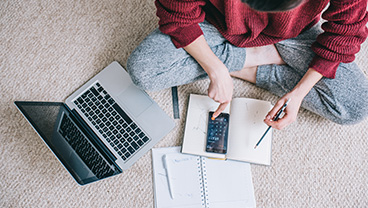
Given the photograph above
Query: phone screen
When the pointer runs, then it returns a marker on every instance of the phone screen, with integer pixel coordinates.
(217, 132)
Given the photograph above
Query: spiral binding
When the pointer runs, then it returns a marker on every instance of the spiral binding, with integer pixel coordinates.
(202, 173)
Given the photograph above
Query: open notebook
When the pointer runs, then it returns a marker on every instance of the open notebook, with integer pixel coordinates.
(246, 127)
(188, 181)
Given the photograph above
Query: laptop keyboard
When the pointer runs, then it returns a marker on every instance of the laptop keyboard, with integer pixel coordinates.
(111, 121)
(85, 150)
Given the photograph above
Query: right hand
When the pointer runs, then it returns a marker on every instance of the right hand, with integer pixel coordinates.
(221, 88)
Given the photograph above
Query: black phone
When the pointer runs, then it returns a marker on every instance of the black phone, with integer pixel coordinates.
(217, 132)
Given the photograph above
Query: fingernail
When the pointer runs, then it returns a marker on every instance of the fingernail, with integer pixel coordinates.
(212, 118)
(268, 117)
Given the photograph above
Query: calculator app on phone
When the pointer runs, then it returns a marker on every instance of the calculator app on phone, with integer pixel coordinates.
(217, 133)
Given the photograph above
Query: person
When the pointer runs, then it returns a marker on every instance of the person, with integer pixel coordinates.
(279, 45)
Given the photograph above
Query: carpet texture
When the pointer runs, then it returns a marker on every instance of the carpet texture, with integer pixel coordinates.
(50, 48)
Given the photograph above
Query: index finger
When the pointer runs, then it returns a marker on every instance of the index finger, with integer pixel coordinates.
(221, 108)
(274, 110)
(279, 124)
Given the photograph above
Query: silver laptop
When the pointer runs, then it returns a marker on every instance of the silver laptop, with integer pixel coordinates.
(102, 128)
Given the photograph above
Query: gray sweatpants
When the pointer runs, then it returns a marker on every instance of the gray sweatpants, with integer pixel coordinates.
(157, 64)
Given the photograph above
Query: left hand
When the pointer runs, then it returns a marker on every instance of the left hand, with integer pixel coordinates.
(310, 78)
(290, 112)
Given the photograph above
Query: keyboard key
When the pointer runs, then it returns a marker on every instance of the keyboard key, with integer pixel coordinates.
(80, 100)
(135, 145)
(145, 139)
(127, 154)
(122, 113)
(140, 142)
(137, 130)
(131, 150)
(133, 126)
(94, 91)
(111, 121)
(85, 95)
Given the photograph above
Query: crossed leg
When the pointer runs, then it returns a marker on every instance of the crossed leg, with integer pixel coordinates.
(157, 64)
(257, 56)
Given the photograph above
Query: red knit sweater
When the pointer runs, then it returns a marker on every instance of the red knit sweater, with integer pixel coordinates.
(344, 30)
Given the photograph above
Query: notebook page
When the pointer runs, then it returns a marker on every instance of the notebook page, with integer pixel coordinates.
(217, 183)
(246, 128)
(187, 181)
(187, 196)
(229, 184)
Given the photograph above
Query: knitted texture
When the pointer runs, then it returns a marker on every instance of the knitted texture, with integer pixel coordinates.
(244, 27)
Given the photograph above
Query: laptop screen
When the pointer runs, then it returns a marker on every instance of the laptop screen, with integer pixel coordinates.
(42, 115)
(45, 117)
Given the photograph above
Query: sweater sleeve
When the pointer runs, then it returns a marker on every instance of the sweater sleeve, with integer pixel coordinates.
(179, 19)
(344, 32)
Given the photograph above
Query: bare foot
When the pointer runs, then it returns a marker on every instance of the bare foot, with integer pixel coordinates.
(255, 57)
(248, 74)
(262, 55)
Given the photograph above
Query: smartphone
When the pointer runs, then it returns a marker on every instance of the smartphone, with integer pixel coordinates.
(217, 132)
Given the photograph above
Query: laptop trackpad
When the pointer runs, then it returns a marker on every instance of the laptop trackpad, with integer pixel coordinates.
(135, 100)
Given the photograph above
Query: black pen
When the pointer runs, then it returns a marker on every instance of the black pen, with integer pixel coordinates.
(275, 119)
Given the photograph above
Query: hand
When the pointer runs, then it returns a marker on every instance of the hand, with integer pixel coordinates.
(290, 112)
(221, 86)
(221, 89)
(297, 95)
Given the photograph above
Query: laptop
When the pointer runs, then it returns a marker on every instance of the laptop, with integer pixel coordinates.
(102, 128)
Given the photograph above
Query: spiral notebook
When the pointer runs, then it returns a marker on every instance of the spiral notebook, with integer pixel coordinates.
(187, 181)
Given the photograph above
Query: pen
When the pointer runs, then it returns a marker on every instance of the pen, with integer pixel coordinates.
(168, 177)
(275, 119)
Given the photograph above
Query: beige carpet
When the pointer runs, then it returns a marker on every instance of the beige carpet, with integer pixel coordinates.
(50, 48)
